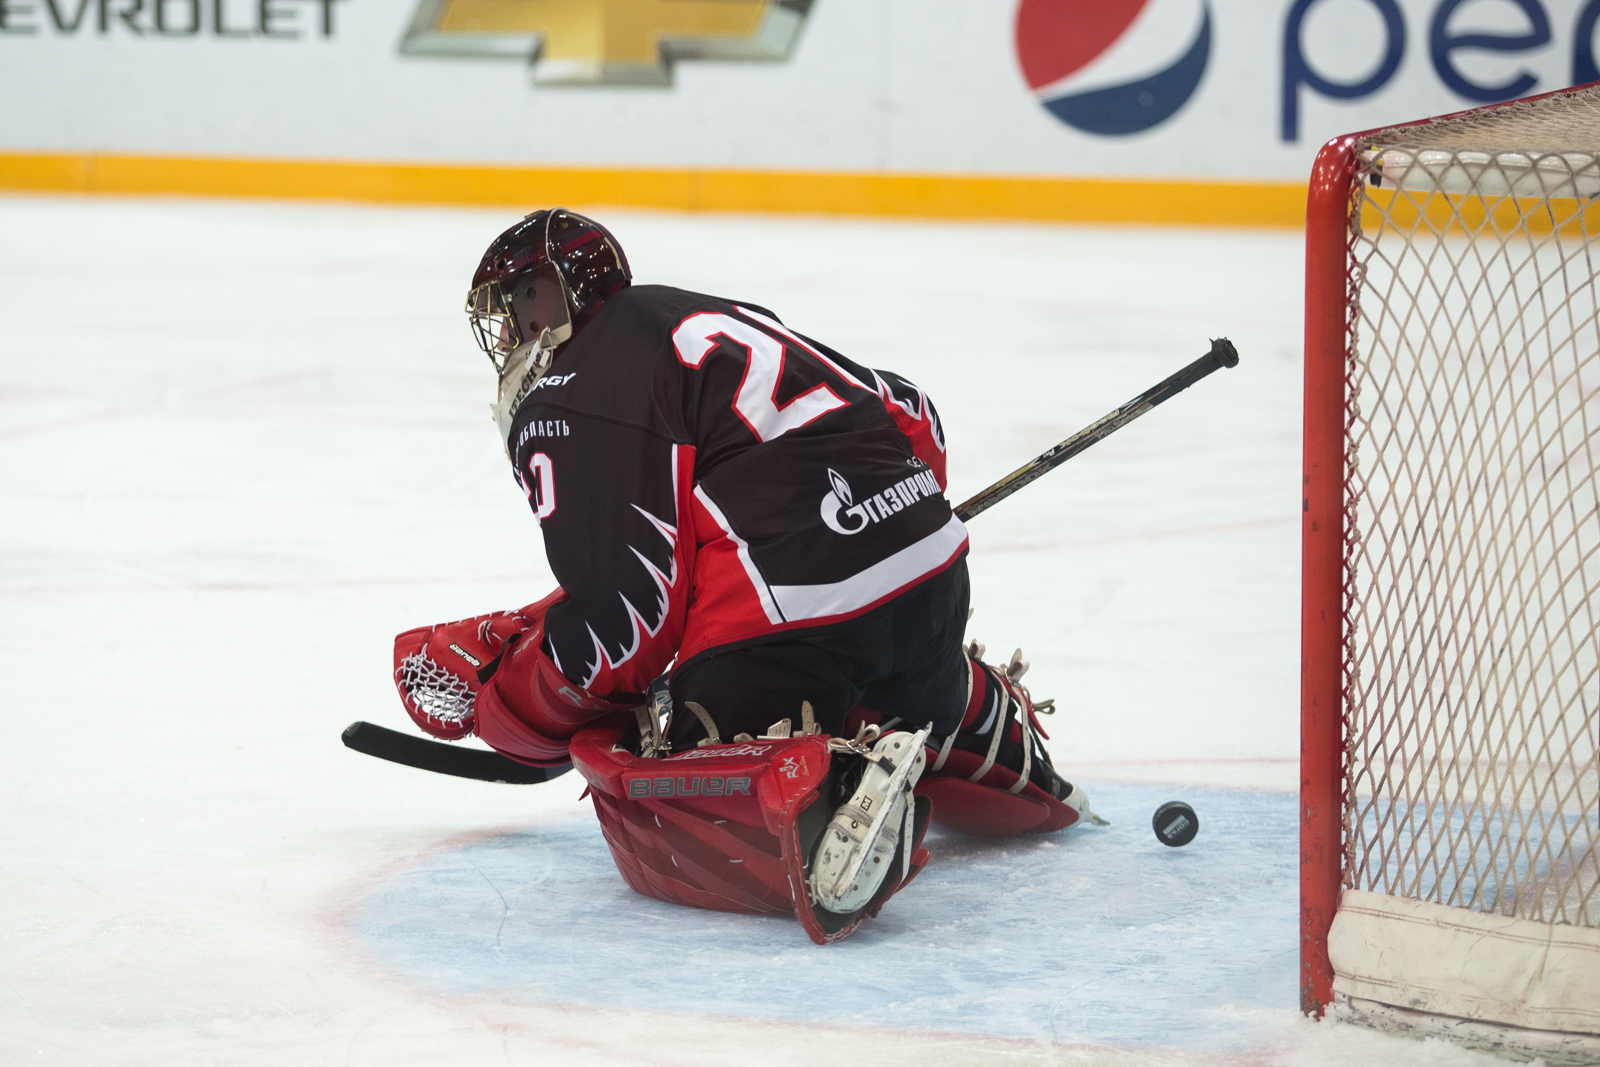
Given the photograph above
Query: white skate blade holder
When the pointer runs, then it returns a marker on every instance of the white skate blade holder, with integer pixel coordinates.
(1078, 801)
(836, 877)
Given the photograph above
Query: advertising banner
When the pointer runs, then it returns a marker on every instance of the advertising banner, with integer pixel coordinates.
(1239, 91)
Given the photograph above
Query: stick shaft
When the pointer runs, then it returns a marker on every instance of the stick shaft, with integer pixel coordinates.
(418, 752)
(1222, 354)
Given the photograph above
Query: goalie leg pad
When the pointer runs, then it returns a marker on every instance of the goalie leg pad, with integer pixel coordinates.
(983, 810)
(993, 777)
(729, 827)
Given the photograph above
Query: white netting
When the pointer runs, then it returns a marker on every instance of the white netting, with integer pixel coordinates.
(1567, 122)
(1473, 550)
(439, 693)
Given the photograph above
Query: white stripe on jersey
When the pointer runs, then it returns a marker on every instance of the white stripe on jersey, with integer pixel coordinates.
(774, 324)
(876, 582)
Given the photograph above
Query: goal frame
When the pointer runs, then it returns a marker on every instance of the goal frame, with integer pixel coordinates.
(1325, 593)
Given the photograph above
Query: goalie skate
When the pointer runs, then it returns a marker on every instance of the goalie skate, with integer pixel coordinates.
(858, 848)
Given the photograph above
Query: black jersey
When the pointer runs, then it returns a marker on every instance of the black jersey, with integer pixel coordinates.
(705, 477)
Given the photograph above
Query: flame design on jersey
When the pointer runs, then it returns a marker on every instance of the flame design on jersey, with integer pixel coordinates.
(639, 623)
(624, 585)
(908, 397)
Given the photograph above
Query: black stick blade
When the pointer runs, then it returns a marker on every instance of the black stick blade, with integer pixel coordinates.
(443, 758)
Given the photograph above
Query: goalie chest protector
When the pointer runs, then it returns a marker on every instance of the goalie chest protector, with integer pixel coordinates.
(727, 827)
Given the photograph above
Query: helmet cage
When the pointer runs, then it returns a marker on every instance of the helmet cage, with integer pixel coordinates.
(589, 266)
(494, 323)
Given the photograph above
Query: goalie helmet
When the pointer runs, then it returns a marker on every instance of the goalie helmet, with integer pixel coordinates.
(584, 261)
(539, 283)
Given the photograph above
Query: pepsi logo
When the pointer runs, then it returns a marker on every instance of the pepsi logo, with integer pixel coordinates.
(1113, 67)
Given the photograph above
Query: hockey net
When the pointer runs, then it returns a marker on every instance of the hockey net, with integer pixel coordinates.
(1468, 659)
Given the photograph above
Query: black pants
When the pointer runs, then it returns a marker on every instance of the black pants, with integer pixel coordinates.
(901, 659)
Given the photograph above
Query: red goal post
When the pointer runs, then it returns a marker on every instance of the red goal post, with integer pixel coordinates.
(1450, 701)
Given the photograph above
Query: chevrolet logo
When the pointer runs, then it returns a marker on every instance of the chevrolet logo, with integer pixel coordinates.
(605, 42)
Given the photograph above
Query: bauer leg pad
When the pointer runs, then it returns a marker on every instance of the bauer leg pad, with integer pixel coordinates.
(982, 809)
(734, 827)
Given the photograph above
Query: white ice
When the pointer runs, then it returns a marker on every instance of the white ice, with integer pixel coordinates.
(244, 444)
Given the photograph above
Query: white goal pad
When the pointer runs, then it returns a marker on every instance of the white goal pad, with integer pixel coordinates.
(1440, 960)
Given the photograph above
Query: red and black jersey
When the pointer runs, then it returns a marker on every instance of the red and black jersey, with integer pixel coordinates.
(704, 477)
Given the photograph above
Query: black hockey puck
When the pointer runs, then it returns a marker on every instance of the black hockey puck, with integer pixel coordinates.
(1175, 823)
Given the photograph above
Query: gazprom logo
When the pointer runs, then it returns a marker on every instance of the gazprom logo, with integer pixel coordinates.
(1113, 67)
(893, 500)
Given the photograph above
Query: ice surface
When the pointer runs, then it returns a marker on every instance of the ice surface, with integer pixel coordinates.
(1067, 938)
(243, 445)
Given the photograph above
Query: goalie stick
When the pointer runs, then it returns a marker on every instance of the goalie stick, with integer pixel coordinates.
(445, 758)
(1222, 354)
(396, 747)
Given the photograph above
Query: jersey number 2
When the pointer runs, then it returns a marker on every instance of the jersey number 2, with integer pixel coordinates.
(756, 403)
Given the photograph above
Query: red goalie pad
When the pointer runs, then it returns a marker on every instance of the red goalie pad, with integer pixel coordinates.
(989, 809)
(727, 827)
(973, 778)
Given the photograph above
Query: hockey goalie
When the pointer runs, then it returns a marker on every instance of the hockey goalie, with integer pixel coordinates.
(756, 654)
